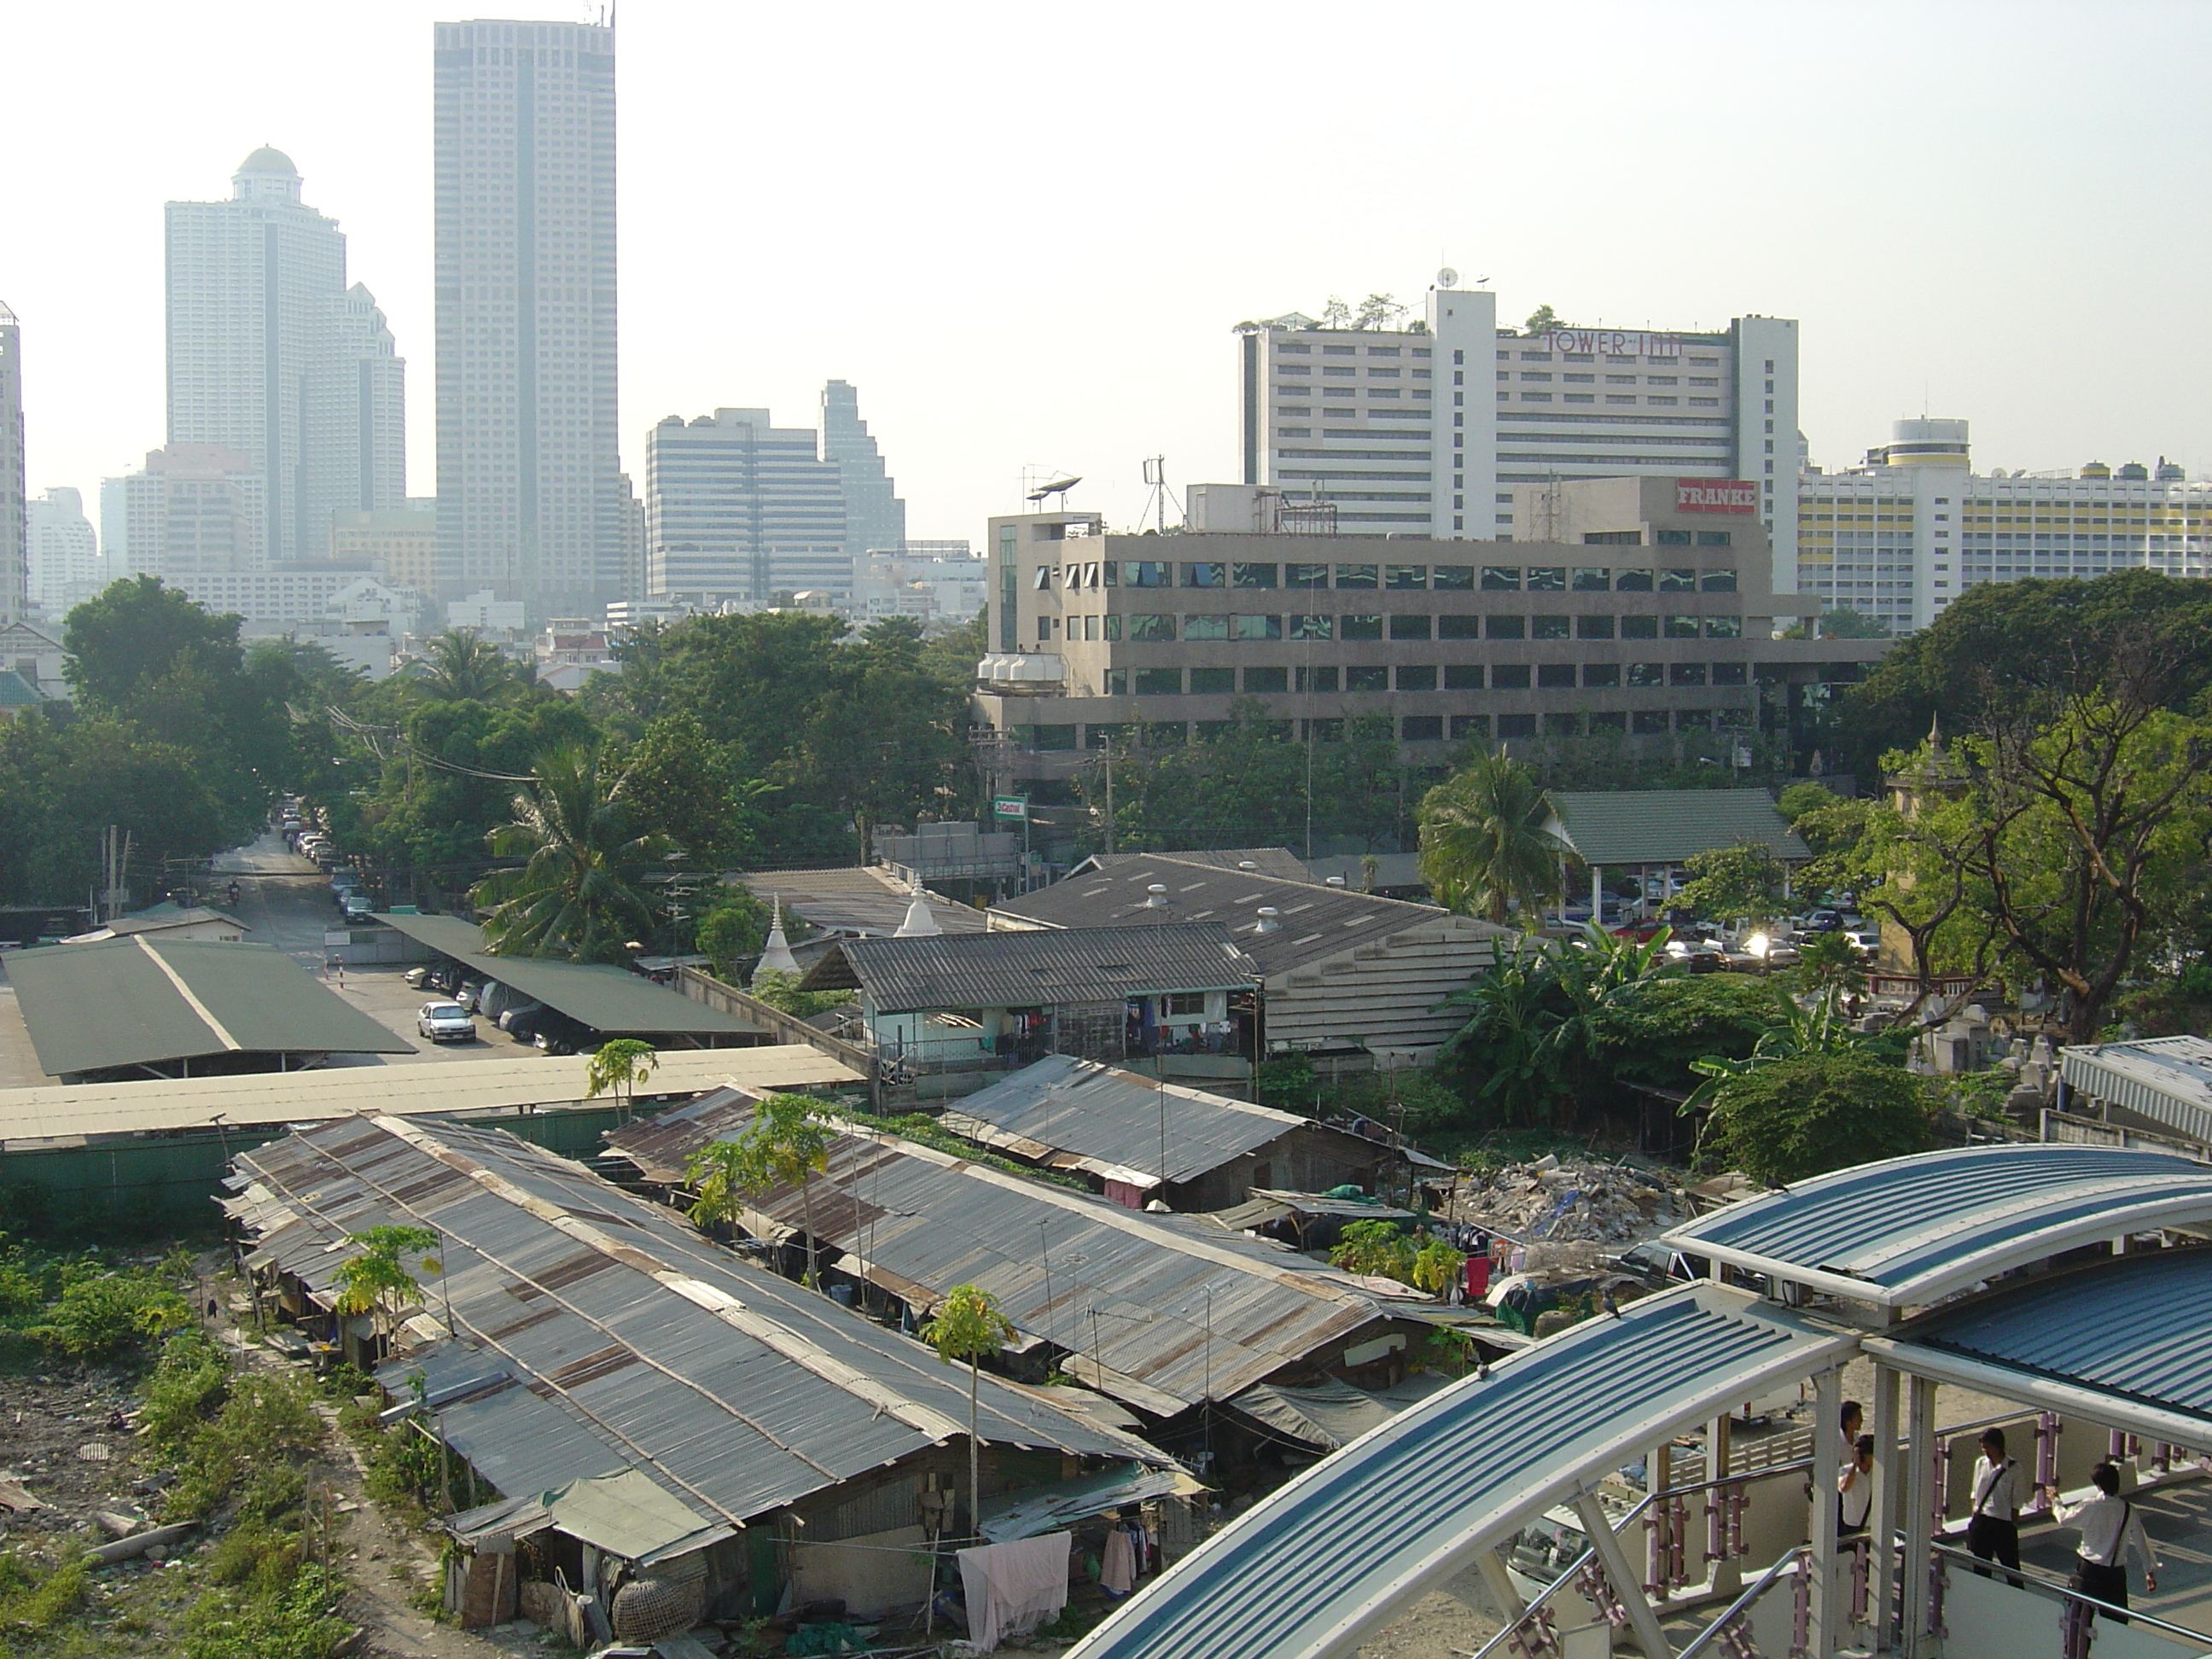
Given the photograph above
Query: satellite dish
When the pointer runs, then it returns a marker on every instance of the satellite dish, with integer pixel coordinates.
(1447, 277)
(1057, 487)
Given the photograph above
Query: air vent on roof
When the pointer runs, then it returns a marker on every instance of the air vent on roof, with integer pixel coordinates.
(1155, 896)
(1270, 919)
(1246, 864)
(1336, 881)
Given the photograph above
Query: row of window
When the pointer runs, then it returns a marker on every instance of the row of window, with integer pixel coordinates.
(1298, 348)
(1372, 374)
(1410, 728)
(1657, 399)
(1407, 578)
(1140, 626)
(1544, 375)
(1588, 357)
(1331, 679)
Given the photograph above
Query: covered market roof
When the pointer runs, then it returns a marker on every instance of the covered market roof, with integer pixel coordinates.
(597, 1332)
(859, 901)
(151, 1002)
(2166, 1079)
(1618, 828)
(1160, 1310)
(1317, 1564)
(1030, 969)
(1907, 1231)
(612, 1001)
(1076, 1114)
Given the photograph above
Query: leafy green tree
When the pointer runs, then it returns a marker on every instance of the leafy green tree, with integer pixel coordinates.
(1830, 964)
(617, 1067)
(733, 931)
(780, 989)
(1504, 1048)
(1847, 624)
(1815, 1112)
(580, 891)
(1376, 1247)
(1484, 846)
(787, 1145)
(967, 1325)
(378, 1279)
(1795, 1031)
(680, 781)
(1541, 320)
(136, 630)
(1742, 883)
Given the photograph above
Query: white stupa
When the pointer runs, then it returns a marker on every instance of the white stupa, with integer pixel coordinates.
(775, 955)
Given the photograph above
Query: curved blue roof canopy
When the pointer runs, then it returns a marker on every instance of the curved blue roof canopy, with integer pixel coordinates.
(1908, 1231)
(1313, 1569)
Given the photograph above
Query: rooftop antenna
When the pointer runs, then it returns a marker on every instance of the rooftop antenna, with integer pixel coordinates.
(1156, 504)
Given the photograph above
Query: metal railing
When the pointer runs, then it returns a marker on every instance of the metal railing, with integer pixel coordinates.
(2075, 1606)
(1718, 1630)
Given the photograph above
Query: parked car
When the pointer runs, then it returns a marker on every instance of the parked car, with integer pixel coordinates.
(419, 976)
(445, 1022)
(468, 991)
(357, 908)
(521, 1021)
(560, 1035)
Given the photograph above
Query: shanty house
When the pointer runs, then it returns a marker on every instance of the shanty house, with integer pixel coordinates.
(1159, 1312)
(945, 1010)
(1338, 972)
(1136, 1139)
(671, 1432)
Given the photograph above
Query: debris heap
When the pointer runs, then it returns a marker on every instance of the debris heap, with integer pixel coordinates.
(1553, 1203)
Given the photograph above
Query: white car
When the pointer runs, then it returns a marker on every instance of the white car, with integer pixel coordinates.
(445, 1022)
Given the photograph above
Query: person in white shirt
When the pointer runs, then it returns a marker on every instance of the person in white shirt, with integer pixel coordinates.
(1993, 1523)
(2110, 1528)
(1855, 1489)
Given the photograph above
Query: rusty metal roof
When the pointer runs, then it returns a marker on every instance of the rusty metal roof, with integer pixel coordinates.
(1159, 1312)
(593, 1331)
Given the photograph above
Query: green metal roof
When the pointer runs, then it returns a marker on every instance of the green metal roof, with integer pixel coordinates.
(17, 692)
(612, 1001)
(143, 1001)
(1616, 827)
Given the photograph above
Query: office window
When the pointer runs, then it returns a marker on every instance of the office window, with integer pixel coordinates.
(1718, 581)
(1143, 627)
(1593, 579)
(1462, 676)
(1548, 578)
(1593, 628)
(1614, 721)
(1404, 576)
(1146, 573)
(1305, 575)
(1324, 731)
(1360, 628)
(1677, 580)
(1716, 538)
(1555, 676)
(1501, 578)
(1508, 676)
(1563, 725)
(1605, 674)
(1206, 628)
(1313, 628)
(1316, 679)
(1459, 625)
(1208, 572)
(1475, 727)
(1506, 628)
(1516, 726)
(1723, 628)
(1117, 683)
(1256, 628)
(1404, 626)
(1639, 628)
(1261, 682)
(1158, 682)
(1109, 627)
(1694, 720)
(1417, 676)
(1455, 578)
(1044, 629)
(1632, 581)
(1040, 579)
(1686, 674)
(1679, 628)
(1422, 728)
(1356, 575)
(1090, 628)
(1252, 575)
(1673, 538)
(1731, 673)
(1645, 674)
(1212, 682)
(1646, 721)
(1367, 679)
(1549, 628)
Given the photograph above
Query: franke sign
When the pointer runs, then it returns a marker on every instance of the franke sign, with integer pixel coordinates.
(1716, 496)
(1616, 342)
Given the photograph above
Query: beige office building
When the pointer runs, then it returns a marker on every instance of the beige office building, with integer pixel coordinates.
(400, 545)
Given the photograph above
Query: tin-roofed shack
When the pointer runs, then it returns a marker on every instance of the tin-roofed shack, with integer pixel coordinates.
(673, 1430)
(1135, 1138)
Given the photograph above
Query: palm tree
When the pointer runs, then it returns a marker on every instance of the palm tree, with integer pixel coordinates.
(967, 1326)
(580, 891)
(460, 665)
(787, 1145)
(1483, 842)
(618, 1068)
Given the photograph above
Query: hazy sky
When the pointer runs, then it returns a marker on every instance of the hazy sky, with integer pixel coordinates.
(1024, 232)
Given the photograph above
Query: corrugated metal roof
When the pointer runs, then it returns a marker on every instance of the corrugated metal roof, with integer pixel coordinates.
(855, 900)
(1908, 1231)
(1669, 826)
(143, 1001)
(1312, 923)
(84, 1111)
(1277, 861)
(1034, 969)
(1102, 1116)
(612, 1001)
(1316, 1565)
(1173, 1309)
(596, 1332)
(2167, 1079)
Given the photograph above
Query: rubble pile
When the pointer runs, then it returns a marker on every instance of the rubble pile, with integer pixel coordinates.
(1553, 1203)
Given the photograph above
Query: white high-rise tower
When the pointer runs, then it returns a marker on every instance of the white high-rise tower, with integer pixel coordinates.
(875, 517)
(272, 356)
(12, 522)
(530, 493)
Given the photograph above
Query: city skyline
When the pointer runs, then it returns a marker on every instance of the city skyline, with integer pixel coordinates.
(1924, 287)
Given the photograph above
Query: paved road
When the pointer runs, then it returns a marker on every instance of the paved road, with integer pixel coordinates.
(284, 898)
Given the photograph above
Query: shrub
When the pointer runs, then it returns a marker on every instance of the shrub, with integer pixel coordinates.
(99, 1314)
(1812, 1113)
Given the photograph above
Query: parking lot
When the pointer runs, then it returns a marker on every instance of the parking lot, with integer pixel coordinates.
(384, 994)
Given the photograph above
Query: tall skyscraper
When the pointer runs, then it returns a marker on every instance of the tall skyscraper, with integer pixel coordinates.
(875, 517)
(529, 495)
(194, 510)
(737, 508)
(272, 356)
(13, 527)
(62, 567)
